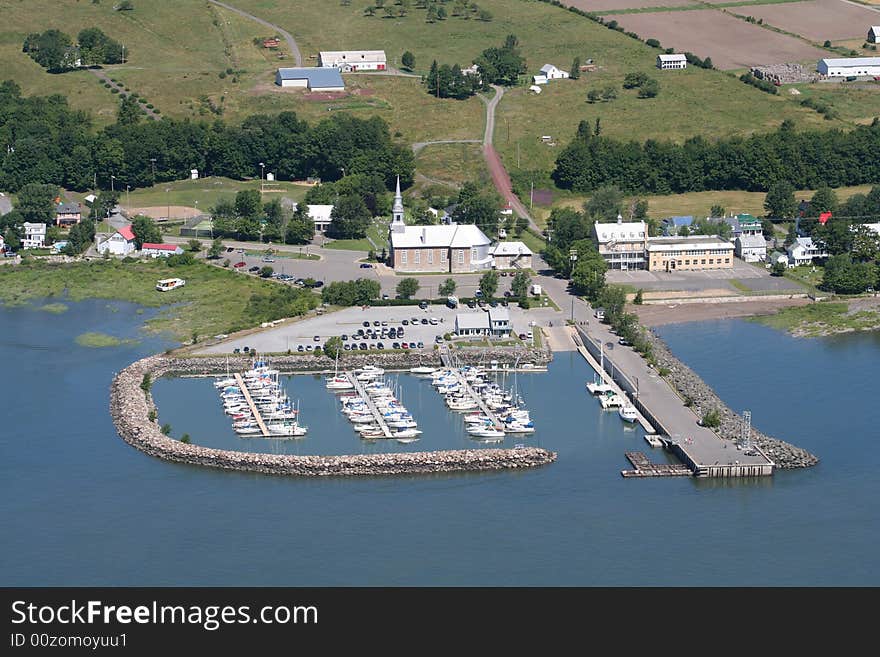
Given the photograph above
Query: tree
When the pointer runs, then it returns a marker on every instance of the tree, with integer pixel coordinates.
(844, 276)
(711, 419)
(684, 231)
(779, 201)
(791, 236)
(649, 89)
(484, 15)
(248, 204)
(103, 205)
(266, 271)
(299, 230)
(124, 5)
(36, 203)
(634, 80)
(638, 300)
(609, 92)
(349, 218)
(489, 284)
(194, 245)
(333, 346)
(447, 287)
(824, 200)
(575, 71)
(215, 249)
(129, 112)
(717, 211)
(605, 203)
(370, 11)
(588, 275)
(778, 268)
(593, 95)
(407, 288)
(408, 60)
(613, 299)
(520, 284)
(145, 230)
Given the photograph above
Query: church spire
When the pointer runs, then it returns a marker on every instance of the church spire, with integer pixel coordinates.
(397, 223)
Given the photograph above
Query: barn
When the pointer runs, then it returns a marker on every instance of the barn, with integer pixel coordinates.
(846, 66)
(314, 78)
(874, 34)
(353, 60)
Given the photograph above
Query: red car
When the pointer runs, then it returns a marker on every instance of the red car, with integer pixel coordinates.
(240, 264)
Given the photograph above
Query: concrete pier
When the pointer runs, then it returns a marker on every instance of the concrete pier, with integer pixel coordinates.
(698, 447)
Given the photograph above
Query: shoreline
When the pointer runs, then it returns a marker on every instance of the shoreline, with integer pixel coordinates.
(677, 312)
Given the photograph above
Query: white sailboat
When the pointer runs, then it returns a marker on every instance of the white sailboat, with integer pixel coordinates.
(598, 386)
(337, 382)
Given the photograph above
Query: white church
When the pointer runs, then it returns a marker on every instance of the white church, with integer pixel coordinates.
(444, 248)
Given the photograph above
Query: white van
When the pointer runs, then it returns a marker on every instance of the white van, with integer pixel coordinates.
(600, 314)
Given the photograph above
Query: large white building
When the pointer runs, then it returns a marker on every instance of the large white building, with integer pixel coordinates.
(622, 244)
(444, 248)
(510, 255)
(673, 61)
(353, 60)
(803, 251)
(313, 79)
(120, 243)
(874, 34)
(846, 66)
(34, 236)
(319, 214)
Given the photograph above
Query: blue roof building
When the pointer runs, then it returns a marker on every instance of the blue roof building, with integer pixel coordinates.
(315, 78)
(672, 224)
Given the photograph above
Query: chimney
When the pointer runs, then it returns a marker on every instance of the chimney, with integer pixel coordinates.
(424, 233)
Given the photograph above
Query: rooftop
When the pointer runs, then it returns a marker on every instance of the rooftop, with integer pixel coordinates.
(851, 61)
(677, 57)
(477, 320)
(701, 241)
(606, 232)
(160, 247)
(449, 235)
(126, 232)
(510, 249)
(318, 76)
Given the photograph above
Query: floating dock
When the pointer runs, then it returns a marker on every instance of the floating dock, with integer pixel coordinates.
(607, 378)
(645, 468)
(362, 392)
(446, 359)
(250, 401)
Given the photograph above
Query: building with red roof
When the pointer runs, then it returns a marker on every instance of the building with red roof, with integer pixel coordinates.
(160, 250)
(120, 243)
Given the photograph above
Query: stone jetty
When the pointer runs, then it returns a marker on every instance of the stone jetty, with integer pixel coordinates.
(131, 406)
(691, 387)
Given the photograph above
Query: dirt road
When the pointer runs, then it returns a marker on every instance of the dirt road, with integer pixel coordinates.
(291, 43)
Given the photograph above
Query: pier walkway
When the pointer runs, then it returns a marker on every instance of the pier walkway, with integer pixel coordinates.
(700, 448)
(362, 392)
(447, 359)
(645, 468)
(250, 401)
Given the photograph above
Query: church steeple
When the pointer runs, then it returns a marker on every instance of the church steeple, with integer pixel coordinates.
(397, 223)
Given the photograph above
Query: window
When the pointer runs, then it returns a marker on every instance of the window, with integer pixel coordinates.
(703, 261)
(430, 256)
(473, 254)
(711, 261)
(461, 256)
(727, 261)
(687, 262)
(442, 255)
(403, 257)
(417, 257)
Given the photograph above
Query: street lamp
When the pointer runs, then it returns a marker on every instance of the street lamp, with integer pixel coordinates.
(168, 203)
(112, 178)
(262, 169)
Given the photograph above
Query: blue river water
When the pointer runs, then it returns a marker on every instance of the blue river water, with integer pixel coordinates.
(83, 508)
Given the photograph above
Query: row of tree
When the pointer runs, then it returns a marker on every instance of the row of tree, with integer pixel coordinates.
(47, 142)
(807, 159)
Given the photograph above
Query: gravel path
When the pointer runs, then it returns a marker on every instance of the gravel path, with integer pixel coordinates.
(291, 43)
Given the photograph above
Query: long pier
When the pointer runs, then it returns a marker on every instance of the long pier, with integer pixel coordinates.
(377, 414)
(698, 447)
(253, 406)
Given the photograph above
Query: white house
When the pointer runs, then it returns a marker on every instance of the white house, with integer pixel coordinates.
(507, 255)
(874, 227)
(160, 250)
(552, 73)
(539, 79)
(120, 243)
(622, 245)
(750, 247)
(313, 78)
(674, 61)
(472, 323)
(320, 215)
(873, 34)
(845, 66)
(499, 321)
(353, 60)
(34, 236)
(802, 252)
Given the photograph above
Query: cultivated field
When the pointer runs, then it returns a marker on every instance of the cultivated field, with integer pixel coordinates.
(602, 6)
(817, 20)
(730, 42)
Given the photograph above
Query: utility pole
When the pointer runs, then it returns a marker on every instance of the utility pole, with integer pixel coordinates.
(262, 169)
(153, 166)
(168, 202)
(531, 194)
(572, 310)
(112, 178)
(517, 155)
(127, 198)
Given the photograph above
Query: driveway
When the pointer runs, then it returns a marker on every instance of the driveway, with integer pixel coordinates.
(748, 275)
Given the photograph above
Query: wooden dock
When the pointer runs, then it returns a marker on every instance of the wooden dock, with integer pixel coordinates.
(448, 361)
(645, 468)
(252, 405)
(377, 414)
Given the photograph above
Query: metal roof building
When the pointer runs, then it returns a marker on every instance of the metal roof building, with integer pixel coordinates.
(315, 78)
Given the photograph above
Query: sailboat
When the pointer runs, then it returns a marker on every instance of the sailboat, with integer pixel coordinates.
(337, 382)
(598, 386)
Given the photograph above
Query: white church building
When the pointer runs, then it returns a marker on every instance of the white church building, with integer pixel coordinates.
(444, 248)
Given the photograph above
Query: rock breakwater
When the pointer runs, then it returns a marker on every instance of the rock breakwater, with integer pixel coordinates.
(130, 408)
(691, 387)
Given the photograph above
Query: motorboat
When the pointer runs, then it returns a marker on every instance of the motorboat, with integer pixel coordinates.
(599, 387)
(287, 429)
(403, 423)
(422, 370)
(406, 441)
(611, 400)
(406, 433)
(489, 431)
(628, 413)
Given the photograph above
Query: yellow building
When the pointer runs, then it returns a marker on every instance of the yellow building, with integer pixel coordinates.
(693, 253)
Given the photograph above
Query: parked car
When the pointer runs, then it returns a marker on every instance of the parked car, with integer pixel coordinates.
(300, 348)
(507, 293)
(238, 265)
(363, 346)
(423, 305)
(318, 284)
(623, 341)
(380, 345)
(421, 345)
(317, 338)
(254, 268)
(478, 293)
(438, 339)
(424, 320)
(346, 347)
(404, 345)
(309, 347)
(299, 281)
(434, 321)
(530, 336)
(229, 249)
(384, 323)
(367, 324)
(377, 323)
(395, 345)
(405, 322)
(504, 273)
(268, 259)
(344, 337)
(366, 265)
(472, 304)
(523, 336)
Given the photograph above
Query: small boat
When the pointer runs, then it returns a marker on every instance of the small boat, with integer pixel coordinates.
(422, 370)
(519, 427)
(486, 432)
(338, 383)
(611, 401)
(627, 413)
(599, 387)
(287, 429)
(406, 433)
(406, 441)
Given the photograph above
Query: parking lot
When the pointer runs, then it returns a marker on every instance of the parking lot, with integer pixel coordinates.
(745, 274)
(422, 326)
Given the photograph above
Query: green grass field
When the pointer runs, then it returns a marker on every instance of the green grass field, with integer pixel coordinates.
(454, 163)
(212, 301)
(818, 319)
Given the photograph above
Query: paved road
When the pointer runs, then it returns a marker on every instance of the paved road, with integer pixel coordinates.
(291, 43)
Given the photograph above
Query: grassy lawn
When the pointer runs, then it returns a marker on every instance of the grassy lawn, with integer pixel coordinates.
(454, 163)
(855, 105)
(378, 232)
(212, 301)
(820, 318)
(535, 243)
(810, 276)
(350, 245)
